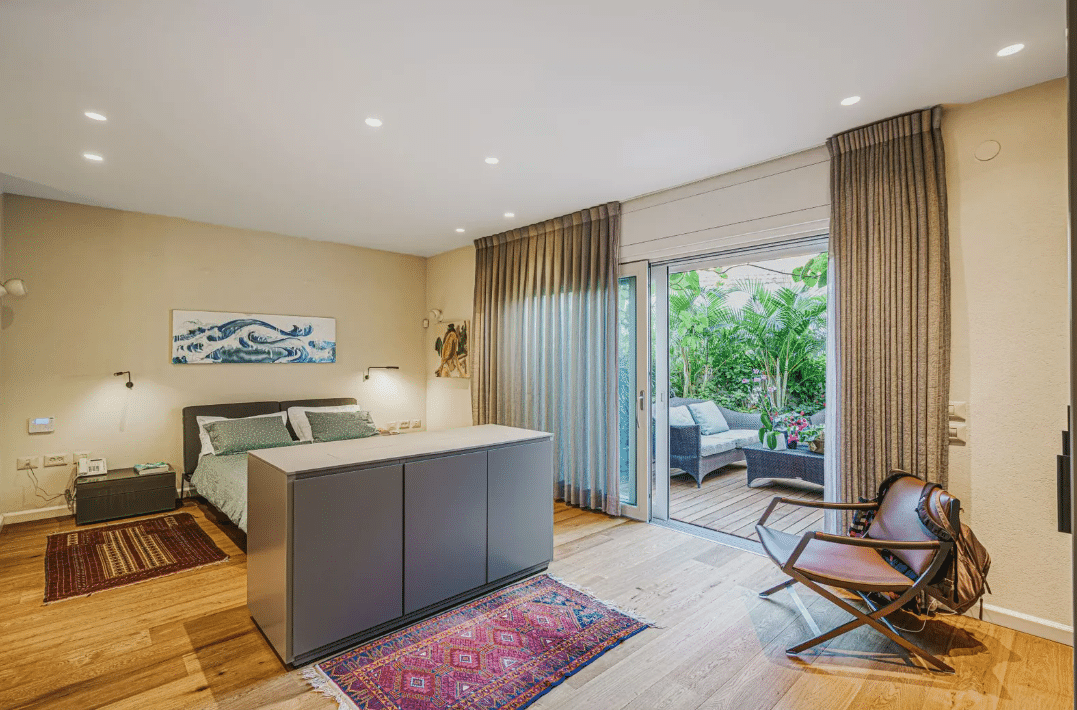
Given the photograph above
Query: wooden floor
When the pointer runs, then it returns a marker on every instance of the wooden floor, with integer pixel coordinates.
(725, 503)
(186, 641)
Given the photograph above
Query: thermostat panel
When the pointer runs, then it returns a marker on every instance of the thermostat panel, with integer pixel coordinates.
(41, 425)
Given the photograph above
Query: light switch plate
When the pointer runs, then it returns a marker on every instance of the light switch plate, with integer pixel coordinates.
(57, 460)
(416, 423)
(24, 463)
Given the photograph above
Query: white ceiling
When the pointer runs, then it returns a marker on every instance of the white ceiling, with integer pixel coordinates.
(251, 113)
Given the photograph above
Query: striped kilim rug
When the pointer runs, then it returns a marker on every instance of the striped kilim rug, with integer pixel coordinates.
(501, 652)
(81, 562)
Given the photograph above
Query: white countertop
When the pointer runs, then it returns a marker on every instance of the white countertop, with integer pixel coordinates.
(375, 449)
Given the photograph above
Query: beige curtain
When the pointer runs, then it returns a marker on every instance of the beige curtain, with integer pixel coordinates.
(890, 246)
(544, 344)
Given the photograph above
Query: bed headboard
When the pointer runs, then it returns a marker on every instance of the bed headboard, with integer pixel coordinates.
(192, 445)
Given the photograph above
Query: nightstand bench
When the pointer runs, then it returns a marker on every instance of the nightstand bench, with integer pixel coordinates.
(122, 493)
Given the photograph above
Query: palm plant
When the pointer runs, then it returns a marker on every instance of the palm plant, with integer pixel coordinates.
(785, 331)
(701, 328)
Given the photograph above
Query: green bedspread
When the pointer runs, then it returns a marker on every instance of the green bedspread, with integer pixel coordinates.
(222, 480)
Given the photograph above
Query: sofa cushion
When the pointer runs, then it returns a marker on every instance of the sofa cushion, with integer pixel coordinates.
(680, 416)
(709, 418)
(712, 444)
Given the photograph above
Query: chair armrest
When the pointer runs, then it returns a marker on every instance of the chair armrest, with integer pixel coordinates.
(684, 440)
(857, 542)
(814, 504)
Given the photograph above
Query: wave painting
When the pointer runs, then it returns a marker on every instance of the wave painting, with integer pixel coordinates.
(207, 337)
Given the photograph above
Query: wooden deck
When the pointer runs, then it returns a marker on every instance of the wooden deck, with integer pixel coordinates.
(725, 503)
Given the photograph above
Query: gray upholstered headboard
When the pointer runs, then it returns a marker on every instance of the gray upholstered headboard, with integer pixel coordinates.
(192, 446)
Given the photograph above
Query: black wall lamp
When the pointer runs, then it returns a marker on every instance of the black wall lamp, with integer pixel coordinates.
(130, 384)
(379, 367)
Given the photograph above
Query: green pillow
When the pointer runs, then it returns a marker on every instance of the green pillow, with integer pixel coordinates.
(338, 426)
(233, 436)
(709, 418)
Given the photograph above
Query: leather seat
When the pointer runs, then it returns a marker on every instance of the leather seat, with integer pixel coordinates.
(834, 564)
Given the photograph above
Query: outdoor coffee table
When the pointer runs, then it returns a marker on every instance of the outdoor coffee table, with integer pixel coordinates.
(781, 462)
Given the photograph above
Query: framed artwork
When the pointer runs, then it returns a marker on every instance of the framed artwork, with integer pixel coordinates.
(452, 347)
(210, 338)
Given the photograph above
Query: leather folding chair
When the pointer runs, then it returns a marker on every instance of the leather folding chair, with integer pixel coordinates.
(819, 560)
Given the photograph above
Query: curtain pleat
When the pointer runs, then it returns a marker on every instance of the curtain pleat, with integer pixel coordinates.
(544, 344)
(890, 243)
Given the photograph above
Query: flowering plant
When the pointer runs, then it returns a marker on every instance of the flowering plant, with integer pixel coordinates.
(789, 423)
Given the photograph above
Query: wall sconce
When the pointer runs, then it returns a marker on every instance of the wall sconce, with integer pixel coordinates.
(379, 367)
(130, 384)
(13, 287)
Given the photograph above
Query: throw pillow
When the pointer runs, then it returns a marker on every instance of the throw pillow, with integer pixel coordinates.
(709, 418)
(203, 435)
(301, 425)
(680, 416)
(234, 436)
(338, 426)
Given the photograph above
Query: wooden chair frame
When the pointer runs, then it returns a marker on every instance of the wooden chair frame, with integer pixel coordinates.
(876, 617)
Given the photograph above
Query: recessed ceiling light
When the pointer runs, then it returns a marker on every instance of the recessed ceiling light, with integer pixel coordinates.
(850, 101)
(93, 156)
(373, 122)
(95, 116)
(1012, 49)
(459, 229)
(492, 161)
(510, 214)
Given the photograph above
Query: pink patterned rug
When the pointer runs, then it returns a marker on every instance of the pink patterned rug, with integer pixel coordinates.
(500, 652)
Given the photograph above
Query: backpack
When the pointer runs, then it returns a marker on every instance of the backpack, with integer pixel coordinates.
(963, 580)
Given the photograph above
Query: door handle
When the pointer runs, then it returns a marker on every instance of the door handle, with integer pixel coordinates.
(640, 398)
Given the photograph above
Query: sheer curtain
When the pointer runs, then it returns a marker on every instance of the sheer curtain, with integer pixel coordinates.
(889, 240)
(544, 344)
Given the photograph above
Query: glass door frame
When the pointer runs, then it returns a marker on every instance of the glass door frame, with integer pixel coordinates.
(640, 511)
(659, 278)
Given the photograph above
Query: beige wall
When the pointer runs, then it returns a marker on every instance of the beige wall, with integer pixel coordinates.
(450, 287)
(1010, 338)
(102, 286)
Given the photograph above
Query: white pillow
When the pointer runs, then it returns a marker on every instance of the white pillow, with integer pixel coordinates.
(301, 425)
(203, 435)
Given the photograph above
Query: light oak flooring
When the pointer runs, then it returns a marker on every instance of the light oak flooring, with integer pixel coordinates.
(725, 503)
(186, 641)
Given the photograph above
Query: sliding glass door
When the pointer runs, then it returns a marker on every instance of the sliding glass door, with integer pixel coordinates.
(739, 339)
(633, 421)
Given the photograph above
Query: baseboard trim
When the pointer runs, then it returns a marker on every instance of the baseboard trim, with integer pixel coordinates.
(1050, 630)
(25, 516)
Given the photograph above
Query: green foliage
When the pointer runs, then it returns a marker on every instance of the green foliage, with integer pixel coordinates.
(767, 355)
(814, 272)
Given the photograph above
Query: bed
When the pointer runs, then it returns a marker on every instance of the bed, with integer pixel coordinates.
(222, 480)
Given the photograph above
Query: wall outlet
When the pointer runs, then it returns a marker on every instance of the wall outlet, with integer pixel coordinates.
(82, 455)
(393, 426)
(57, 460)
(416, 423)
(405, 424)
(27, 462)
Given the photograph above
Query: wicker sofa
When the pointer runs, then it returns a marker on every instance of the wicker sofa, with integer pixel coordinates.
(699, 455)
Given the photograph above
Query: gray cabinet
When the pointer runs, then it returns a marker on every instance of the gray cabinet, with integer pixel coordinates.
(349, 540)
(444, 528)
(347, 554)
(519, 508)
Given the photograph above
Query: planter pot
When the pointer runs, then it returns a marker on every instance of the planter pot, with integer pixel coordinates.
(790, 444)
